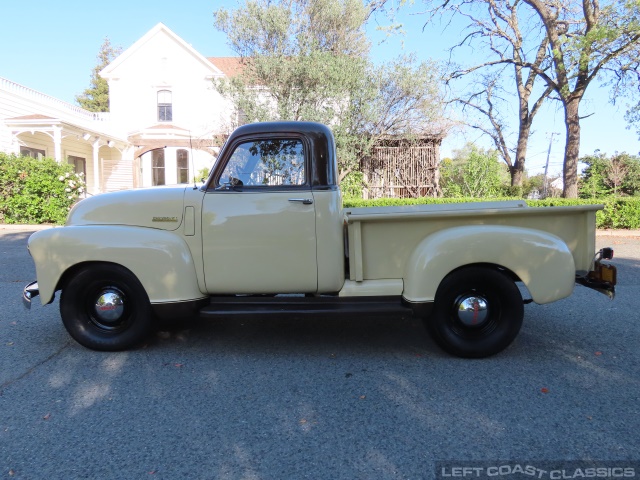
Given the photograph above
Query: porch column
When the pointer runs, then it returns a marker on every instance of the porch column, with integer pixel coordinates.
(128, 154)
(57, 143)
(15, 144)
(96, 166)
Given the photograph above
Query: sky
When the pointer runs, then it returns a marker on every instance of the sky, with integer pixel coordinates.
(51, 47)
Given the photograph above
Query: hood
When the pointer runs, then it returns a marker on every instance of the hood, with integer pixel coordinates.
(158, 207)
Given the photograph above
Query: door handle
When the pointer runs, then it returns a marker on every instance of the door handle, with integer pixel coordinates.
(304, 201)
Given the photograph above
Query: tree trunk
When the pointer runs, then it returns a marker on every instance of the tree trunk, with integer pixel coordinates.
(517, 171)
(572, 148)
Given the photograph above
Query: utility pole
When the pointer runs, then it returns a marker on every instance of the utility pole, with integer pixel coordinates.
(546, 167)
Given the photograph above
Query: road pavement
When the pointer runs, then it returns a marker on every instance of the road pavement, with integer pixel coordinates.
(333, 398)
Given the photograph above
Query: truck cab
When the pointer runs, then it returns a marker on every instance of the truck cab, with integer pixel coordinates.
(271, 212)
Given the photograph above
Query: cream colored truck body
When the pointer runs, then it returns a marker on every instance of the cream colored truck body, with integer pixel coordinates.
(185, 244)
(414, 248)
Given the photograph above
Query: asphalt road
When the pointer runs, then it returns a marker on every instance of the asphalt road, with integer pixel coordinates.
(351, 398)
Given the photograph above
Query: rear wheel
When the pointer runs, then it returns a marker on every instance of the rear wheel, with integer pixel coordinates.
(104, 307)
(478, 312)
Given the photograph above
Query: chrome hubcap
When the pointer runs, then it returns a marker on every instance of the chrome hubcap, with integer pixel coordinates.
(109, 305)
(472, 310)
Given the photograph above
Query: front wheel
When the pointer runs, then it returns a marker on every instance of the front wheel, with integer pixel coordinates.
(478, 312)
(104, 307)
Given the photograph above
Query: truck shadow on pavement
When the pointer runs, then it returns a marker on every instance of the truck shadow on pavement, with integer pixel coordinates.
(269, 334)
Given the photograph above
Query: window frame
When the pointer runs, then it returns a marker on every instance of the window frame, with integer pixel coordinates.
(155, 169)
(39, 152)
(164, 107)
(74, 159)
(214, 181)
(180, 169)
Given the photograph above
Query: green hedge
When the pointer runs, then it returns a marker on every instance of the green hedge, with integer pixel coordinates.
(618, 212)
(36, 191)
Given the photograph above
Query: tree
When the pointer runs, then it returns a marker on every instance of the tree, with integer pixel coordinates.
(473, 172)
(405, 118)
(96, 97)
(533, 184)
(585, 40)
(308, 60)
(496, 26)
(626, 83)
(585, 37)
(618, 175)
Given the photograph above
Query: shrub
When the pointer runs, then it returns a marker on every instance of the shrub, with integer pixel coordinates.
(352, 185)
(474, 172)
(37, 191)
(203, 173)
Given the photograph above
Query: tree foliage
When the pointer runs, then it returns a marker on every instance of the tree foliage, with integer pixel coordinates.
(309, 60)
(626, 82)
(618, 175)
(96, 97)
(474, 173)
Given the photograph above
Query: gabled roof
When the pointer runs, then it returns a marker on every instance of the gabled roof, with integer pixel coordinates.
(230, 66)
(107, 72)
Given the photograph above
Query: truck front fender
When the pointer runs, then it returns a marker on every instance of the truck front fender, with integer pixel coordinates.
(541, 260)
(161, 260)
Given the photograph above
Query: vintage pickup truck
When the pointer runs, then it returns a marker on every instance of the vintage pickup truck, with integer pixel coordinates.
(267, 233)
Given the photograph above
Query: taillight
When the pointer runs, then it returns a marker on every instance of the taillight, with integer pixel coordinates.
(606, 253)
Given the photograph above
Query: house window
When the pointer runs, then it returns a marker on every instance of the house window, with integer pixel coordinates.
(157, 163)
(165, 107)
(182, 161)
(79, 164)
(32, 152)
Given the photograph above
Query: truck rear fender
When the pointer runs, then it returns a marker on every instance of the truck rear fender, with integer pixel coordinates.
(161, 260)
(542, 261)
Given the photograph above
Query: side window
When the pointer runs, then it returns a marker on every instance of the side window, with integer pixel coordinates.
(274, 162)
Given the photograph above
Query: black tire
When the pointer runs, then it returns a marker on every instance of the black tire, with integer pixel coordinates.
(492, 317)
(104, 307)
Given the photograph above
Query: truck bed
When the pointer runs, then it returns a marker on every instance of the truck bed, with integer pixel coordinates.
(377, 251)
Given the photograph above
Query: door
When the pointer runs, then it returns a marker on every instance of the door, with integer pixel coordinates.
(258, 219)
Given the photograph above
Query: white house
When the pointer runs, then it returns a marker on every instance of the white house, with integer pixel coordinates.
(164, 125)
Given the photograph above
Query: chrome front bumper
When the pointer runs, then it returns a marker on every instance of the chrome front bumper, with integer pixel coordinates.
(28, 293)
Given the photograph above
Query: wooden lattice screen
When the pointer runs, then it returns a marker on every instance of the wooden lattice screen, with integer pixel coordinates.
(402, 168)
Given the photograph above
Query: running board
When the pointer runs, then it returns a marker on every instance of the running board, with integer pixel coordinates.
(304, 306)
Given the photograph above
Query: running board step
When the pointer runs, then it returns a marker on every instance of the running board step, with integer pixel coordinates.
(304, 306)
